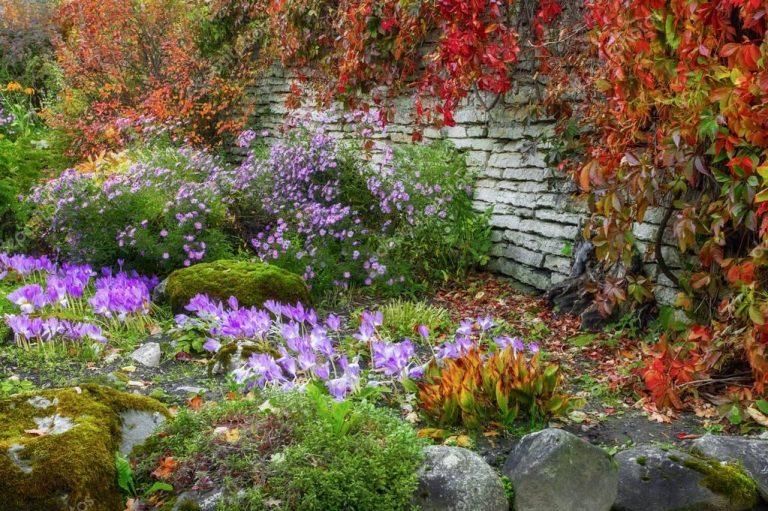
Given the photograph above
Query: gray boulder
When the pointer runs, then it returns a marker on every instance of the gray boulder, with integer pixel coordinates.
(148, 354)
(752, 453)
(136, 427)
(457, 479)
(158, 293)
(651, 479)
(553, 470)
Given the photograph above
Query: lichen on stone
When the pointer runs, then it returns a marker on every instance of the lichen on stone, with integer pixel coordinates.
(61, 455)
(252, 283)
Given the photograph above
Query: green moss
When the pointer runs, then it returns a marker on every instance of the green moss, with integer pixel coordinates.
(52, 472)
(727, 479)
(189, 505)
(251, 283)
(642, 460)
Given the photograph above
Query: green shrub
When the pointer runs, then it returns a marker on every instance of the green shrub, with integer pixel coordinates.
(28, 151)
(455, 238)
(287, 455)
(318, 208)
(251, 283)
(156, 208)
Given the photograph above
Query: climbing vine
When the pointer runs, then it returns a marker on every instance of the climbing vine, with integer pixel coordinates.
(365, 52)
(672, 122)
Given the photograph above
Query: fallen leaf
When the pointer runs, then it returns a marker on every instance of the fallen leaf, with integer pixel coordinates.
(434, 433)
(196, 402)
(686, 436)
(183, 356)
(758, 416)
(232, 436)
(165, 468)
(660, 418)
(463, 441)
(128, 369)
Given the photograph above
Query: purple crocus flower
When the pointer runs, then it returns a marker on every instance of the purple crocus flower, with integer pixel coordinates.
(392, 358)
(212, 345)
(333, 322)
(423, 331)
(264, 366)
(273, 307)
(338, 388)
(465, 328)
(28, 298)
(485, 323)
(365, 332)
(373, 318)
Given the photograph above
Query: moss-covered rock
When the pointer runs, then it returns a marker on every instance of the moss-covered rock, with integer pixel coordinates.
(57, 447)
(653, 479)
(251, 283)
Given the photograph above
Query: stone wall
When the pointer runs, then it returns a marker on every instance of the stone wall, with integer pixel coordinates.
(536, 216)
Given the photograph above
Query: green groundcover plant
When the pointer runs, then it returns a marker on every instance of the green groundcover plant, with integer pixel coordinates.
(287, 451)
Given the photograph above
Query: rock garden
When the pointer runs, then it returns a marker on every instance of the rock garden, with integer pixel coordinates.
(202, 308)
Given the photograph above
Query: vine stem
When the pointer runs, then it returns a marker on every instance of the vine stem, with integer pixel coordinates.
(658, 242)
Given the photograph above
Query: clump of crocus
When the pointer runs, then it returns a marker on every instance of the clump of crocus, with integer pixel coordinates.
(111, 300)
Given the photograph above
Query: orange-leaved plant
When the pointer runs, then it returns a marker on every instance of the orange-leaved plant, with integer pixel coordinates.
(477, 391)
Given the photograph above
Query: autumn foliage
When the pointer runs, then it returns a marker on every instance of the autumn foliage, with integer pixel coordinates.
(673, 117)
(365, 52)
(133, 67)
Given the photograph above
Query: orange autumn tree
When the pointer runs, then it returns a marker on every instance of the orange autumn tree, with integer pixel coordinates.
(133, 67)
(676, 118)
